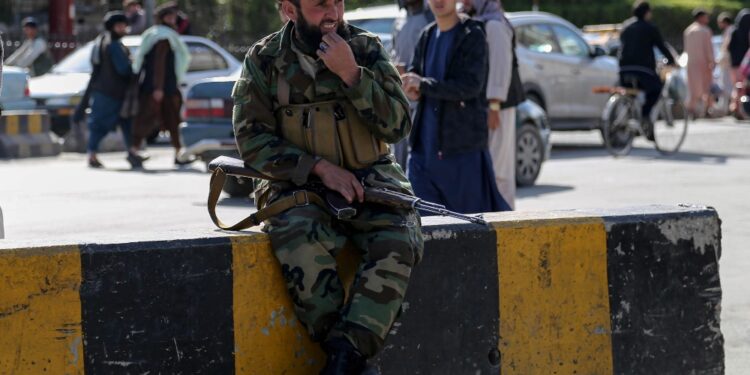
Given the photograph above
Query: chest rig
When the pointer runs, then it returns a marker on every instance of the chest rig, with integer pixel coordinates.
(332, 130)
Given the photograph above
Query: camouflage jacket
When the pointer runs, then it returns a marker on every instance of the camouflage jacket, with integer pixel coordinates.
(377, 97)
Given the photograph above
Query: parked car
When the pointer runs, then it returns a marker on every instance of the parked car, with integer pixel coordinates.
(60, 90)
(207, 132)
(15, 91)
(559, 69)
(379, 20)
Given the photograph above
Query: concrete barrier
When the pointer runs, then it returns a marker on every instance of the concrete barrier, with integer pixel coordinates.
(25, 134)
(576, 292)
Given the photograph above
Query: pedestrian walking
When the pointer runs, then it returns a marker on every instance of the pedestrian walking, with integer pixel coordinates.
(136, 16)
(33, 53)
(109, 83)
(726, 25)
(405, 37)
(504, 92)
(738, 47)
(295, 83)
(701, 62)
(163, 60)
(639, 38)
(449, 162)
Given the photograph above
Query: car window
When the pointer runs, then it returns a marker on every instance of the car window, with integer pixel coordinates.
(204, 58)
(375, 25)
(80, 60)
(571, 44)
(537, 38)
(77, 62)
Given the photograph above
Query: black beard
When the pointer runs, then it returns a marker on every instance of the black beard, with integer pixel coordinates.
(311, 35)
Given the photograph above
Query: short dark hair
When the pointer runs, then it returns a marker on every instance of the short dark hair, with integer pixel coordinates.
(699, 12)
(641, 8)
(726, 17)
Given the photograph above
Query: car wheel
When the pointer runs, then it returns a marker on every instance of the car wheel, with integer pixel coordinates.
(529, 155)
(534, 97)
(238, 187)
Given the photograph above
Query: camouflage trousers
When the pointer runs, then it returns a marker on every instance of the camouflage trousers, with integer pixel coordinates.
(306, 241)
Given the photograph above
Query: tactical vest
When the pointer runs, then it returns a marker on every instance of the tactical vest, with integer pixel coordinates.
(332, 130)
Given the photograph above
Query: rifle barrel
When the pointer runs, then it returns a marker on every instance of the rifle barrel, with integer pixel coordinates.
(456, 215)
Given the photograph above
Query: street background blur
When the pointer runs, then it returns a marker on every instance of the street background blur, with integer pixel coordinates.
(236, 24)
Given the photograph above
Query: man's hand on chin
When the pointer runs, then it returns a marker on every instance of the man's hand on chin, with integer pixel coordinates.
(339, 58)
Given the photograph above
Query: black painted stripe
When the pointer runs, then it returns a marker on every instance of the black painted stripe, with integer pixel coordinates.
(158, 308)
(451, 323)
(665, 298)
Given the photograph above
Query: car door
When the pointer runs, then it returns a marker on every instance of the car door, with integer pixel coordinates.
(587, 71)
(539, 64)
(575, 58)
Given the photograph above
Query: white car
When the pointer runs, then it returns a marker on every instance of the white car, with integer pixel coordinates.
(60, 90)
(379, 20)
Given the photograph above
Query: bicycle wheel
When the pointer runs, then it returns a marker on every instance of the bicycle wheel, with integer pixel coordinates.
(670, 125)
(620, 120)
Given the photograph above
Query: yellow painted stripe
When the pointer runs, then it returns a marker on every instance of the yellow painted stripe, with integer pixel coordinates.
(40, 312)
(268, 339)
(554, 304)
(35, 124)
(11, 125)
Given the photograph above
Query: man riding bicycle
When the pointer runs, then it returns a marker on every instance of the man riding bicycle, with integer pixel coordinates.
(637, 61)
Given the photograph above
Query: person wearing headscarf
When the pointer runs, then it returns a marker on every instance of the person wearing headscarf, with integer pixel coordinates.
(738, 47)
(163, 61)
(504, 92)
(701, 61)
(109, 82)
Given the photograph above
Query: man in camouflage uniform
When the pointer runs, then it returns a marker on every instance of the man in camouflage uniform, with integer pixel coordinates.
(321, 58)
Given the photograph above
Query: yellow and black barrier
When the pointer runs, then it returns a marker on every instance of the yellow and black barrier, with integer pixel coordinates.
(25, 134)
(578, 292)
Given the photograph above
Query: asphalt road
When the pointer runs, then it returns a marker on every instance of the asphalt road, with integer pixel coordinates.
(60, 199)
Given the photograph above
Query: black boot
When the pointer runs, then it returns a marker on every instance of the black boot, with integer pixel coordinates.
(343, 358)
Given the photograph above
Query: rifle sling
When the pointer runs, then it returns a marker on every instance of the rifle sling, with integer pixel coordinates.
(299, 198)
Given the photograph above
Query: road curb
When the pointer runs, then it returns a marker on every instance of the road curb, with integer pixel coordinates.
(25, 134)
(605, 292)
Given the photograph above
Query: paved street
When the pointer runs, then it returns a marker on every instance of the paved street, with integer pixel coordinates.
(61, 199)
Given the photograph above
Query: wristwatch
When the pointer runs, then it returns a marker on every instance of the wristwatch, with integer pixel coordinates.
(495, 106)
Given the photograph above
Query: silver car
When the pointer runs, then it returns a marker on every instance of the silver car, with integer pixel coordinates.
(559, 70)
(378, 20)
(15, 91)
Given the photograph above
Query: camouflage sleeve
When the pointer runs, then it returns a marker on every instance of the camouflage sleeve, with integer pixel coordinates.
(378, 96)
(255, 128)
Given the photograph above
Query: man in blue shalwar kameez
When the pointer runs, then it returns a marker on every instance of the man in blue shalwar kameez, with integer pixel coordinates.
(450, 163)
(108, 86)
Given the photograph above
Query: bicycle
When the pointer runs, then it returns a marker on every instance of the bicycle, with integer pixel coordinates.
(622, 121)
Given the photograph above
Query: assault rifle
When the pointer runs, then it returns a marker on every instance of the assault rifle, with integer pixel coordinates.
(314, 193)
